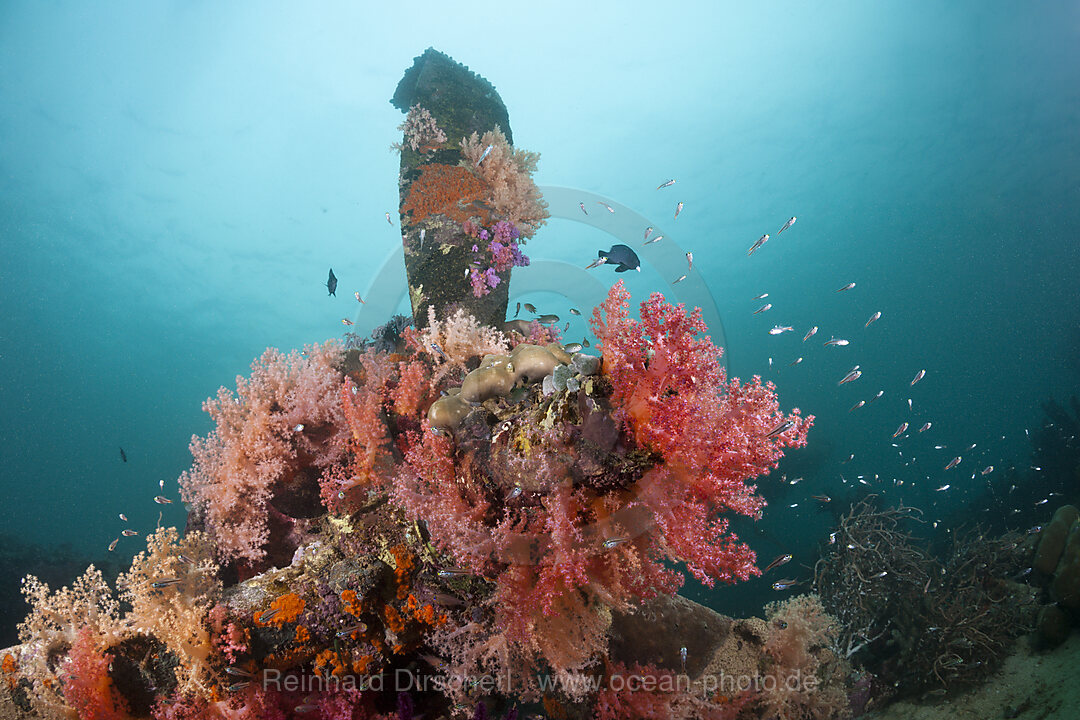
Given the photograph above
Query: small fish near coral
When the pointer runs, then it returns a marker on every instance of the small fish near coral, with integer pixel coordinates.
(621, 256)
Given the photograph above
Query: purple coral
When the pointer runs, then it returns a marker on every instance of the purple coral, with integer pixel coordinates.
(502, 243)
(323, 618)
(504, 247)
(405, 709)
(476, 280)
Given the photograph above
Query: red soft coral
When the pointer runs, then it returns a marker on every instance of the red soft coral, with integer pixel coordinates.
(87, 685)
(713, 434)
(676, 396)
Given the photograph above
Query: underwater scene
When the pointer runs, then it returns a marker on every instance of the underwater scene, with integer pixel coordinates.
(567, 361)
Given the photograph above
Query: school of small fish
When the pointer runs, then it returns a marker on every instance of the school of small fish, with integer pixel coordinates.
(907, 456)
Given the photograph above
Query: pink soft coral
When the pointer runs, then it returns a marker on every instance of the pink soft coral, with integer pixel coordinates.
(286, 417)
(421, 132)
(87, 685)
(713, 433)
(806, 677)
(427, 488)
(508, 174)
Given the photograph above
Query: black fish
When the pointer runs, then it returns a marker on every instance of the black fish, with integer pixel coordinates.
(331, 283)
(622, 256)
(123, 455)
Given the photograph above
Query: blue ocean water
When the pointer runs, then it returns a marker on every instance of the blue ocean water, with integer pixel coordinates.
(176, 178)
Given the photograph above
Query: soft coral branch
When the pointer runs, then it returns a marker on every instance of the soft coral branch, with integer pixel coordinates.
(427, 487)
(713, 433)
(283, 418)
(87, 685)
(385, 400)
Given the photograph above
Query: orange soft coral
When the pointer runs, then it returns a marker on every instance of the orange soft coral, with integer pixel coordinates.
(284, 609)
(455, 192)
(508, 174)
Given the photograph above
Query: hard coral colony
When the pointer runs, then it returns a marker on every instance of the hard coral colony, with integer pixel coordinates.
(363, 533)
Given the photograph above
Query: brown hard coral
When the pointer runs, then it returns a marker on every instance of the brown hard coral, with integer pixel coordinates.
(496, 376)
(447, 412)
(1065, 587)
(493, 378)
(1052, 539)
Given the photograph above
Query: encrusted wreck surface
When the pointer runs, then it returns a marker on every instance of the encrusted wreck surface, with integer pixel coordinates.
(446, 103)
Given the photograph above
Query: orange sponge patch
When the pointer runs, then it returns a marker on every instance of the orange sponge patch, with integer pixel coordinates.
(284, 609)
(448, 190)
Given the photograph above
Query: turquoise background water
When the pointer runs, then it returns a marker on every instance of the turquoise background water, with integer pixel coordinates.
(176, 178)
